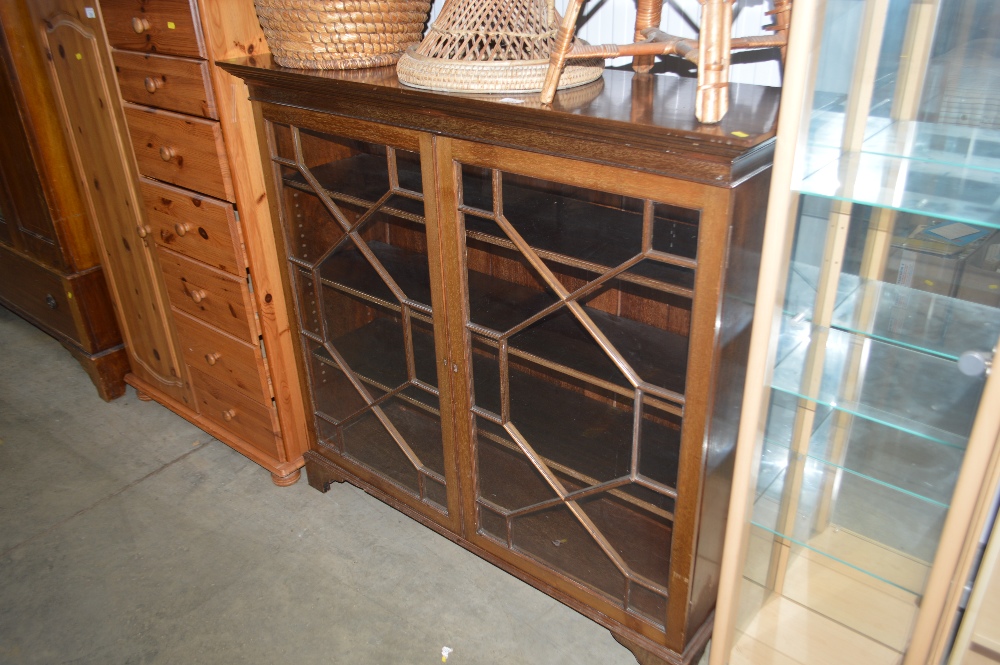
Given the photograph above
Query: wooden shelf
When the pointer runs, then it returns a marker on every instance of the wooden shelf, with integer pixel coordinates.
(558, 342)
(587, 439)
(568, 231)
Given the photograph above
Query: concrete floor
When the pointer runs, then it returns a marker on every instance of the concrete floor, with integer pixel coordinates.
(127, 535)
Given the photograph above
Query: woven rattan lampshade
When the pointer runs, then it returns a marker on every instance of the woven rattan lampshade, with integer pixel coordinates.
(491, 46)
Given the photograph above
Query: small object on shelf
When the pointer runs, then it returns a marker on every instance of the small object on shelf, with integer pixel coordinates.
(491, 46)
(346, 34)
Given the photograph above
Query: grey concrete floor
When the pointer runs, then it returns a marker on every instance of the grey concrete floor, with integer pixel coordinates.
(127, 535)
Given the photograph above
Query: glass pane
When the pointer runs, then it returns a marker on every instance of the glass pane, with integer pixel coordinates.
(573, 472)
(353, 217)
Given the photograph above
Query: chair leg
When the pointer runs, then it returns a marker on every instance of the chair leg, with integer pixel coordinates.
(714, 54)
(647, 16)
(563, 43)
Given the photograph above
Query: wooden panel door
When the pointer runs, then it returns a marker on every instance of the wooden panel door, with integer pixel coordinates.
(27, 225)
(86, 94)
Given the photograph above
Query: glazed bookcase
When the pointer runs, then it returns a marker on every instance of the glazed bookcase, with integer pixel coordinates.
(517, 337)
(867, 459)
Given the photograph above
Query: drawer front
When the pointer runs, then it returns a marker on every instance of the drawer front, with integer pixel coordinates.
(167, 82)
(208, 295)
(198, 227)
(155, 26)
(227, 360)
(180, 149)
(37, 293)
(235, 412)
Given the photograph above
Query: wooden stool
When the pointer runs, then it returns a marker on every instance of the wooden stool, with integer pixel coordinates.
(711, 52)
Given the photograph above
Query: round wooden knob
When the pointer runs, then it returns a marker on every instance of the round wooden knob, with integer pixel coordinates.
(140, 25)
(212, 358)
(229, 414)
(142, 230)
(152, 84)
(167, 153)
(198, 295)
(180, 228)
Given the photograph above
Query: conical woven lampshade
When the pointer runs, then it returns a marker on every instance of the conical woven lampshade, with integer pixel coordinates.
(491, 46)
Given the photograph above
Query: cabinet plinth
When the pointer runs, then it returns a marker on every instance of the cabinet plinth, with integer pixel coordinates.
(526, 327)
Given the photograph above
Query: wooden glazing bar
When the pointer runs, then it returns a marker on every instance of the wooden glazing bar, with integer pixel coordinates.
(588, 480)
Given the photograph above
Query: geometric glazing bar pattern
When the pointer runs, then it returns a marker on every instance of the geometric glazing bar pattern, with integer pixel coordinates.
(359, 256)
(579, 377)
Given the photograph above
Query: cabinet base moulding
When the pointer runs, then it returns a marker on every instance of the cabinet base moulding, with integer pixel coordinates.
(321, 473)
(283, 474)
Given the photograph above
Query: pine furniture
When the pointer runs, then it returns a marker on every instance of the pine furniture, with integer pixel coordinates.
(164, 146)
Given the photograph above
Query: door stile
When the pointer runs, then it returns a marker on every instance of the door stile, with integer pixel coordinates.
(440, 215)
(713, 241)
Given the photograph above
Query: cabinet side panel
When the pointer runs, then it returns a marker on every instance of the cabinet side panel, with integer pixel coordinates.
(743, 263)
(87, 103)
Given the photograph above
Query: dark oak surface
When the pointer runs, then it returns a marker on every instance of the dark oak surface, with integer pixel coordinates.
(590, 453)
(643, 123)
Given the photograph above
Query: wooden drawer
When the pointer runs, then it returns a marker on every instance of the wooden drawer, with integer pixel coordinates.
(198, 227)
(226, 359)
(235, 412)
(167, 82)
(209, 295)
(156, 26)
(37, 293)
(180, 149)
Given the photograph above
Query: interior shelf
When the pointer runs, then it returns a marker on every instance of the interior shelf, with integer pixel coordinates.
(582, 233)
(934, 404)
(364, 179)
(962, 146)
(558, 341)
(565, 230)
(586, 439)
(891, 499)
(944, 191)
(920, 320)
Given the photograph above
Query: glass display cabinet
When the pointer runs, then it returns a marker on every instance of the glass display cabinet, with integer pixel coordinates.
(526, 326)
(867, 456)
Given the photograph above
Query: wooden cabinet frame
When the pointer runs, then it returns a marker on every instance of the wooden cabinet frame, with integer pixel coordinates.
(305, 120)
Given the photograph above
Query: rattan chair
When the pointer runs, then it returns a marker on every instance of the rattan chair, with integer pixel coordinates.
(710, 52)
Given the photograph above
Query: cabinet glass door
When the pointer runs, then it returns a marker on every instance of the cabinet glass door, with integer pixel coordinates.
(357, 244)
(885, 334)
(579, 307)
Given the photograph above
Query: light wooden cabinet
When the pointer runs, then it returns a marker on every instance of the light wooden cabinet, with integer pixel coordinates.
(525, 327)
(184, 221)
(50, 270)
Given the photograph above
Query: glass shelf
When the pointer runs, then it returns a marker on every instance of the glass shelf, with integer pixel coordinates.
(945, 191)
(928, 322)
(956, 145)
(900, 388)
(920, 320)
(892, 493)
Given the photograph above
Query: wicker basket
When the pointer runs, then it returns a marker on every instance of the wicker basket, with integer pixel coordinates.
(341, 34)
(491, 46)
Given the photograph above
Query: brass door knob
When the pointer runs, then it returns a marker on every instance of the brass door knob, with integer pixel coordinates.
(143, 230)
(181, 228)
(152, 84)
(212, 358)
(229, 414)
(198, 295)
(167, 153)
(140, 25)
